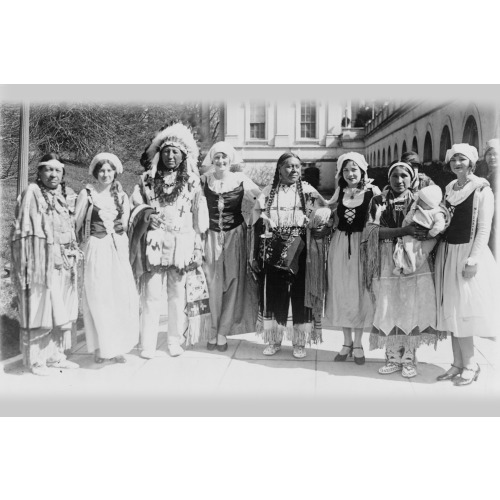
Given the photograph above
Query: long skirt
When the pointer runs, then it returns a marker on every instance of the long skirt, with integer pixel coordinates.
(348, 303)
(46, 317)
(467, 307)
(405, 309)
(110, 299)
(233, 293)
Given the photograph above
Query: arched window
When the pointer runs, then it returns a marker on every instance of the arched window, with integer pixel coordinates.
(414, 145)
(444, 143)
(383, 157)
(471, 135)
(427, 147)
(389, 158)
(378, 158)
(396, 157)
(404, 148)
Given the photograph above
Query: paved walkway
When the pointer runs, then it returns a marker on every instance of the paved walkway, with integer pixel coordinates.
(243, 373)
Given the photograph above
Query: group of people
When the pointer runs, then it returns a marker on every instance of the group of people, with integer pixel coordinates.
(403, 263)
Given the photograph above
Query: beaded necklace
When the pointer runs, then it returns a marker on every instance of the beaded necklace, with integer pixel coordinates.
(161, 186)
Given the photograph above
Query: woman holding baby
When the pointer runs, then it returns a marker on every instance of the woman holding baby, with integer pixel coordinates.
(405, 304)
(467, 275)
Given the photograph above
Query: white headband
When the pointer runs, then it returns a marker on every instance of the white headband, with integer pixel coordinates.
(51, 163)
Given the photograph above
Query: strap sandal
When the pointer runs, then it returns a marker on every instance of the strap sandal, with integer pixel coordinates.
(361, 359)
(390, 367)
(448, 375)
(271, 349)
(119, 359)
(343, 357)
(467, 381)
(299, 352)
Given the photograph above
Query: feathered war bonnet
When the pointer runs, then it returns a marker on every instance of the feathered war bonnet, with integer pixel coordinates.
(176, 135)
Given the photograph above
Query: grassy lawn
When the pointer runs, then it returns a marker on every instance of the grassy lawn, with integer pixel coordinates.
(76, 178)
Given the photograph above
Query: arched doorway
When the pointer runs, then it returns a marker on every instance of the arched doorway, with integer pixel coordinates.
(471, 134)
(396, 157)
(389, 157)
(383, 157)
(414, 145)
(404, 148)
(444, 143)
(427, 148)
(378, 158)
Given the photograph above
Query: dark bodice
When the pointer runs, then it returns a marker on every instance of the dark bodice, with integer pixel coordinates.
(97, 227)
(224, 209)
(352, 220)
(459, 230)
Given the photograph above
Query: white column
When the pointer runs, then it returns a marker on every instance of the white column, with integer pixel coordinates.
(284, 124)
(234, 121)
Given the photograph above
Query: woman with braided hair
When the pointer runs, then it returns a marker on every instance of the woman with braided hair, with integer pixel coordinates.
(110, 299)
(281, 257)
(44, 265)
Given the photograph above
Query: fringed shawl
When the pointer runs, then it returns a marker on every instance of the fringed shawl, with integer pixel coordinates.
(32, 241)
(388, 211)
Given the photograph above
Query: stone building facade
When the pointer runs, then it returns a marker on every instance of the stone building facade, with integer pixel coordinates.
(320, 131)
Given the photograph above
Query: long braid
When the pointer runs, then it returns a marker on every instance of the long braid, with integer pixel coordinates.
(115, 190)
(302, 196)
(44, 190)
(63, 189)
(272, 194)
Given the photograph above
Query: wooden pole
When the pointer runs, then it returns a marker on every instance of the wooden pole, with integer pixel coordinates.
(24, 140)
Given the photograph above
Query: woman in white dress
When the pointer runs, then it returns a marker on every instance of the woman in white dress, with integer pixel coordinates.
(467, 276)
(110, 299)
(348, 303)
(232, 296)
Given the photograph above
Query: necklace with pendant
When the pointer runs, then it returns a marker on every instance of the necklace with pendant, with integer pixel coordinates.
(460, 186)
(352, 192)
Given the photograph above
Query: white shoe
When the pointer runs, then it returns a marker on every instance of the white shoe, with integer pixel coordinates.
(153, 354)
(43, 371)
(271, 349)
(63, 363)
(299, 352)
(175, 350)
(390, 367)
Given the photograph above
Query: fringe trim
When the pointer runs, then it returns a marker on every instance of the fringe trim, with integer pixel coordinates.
(301, 334)
(199, 329)
(370, 257)
(380, 341)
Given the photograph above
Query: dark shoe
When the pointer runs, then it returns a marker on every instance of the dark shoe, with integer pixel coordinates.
(467, 381)
(448, 375)
(222, 347)
(361, 360)
(119, 359)
(343, 357)
(211, 347)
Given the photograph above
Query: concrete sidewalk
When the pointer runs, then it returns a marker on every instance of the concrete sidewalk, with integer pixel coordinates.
(243, 372)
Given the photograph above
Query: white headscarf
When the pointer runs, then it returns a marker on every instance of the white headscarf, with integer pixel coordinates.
(222, 147)
(463, 149)
(357, 158)
(102, 157)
